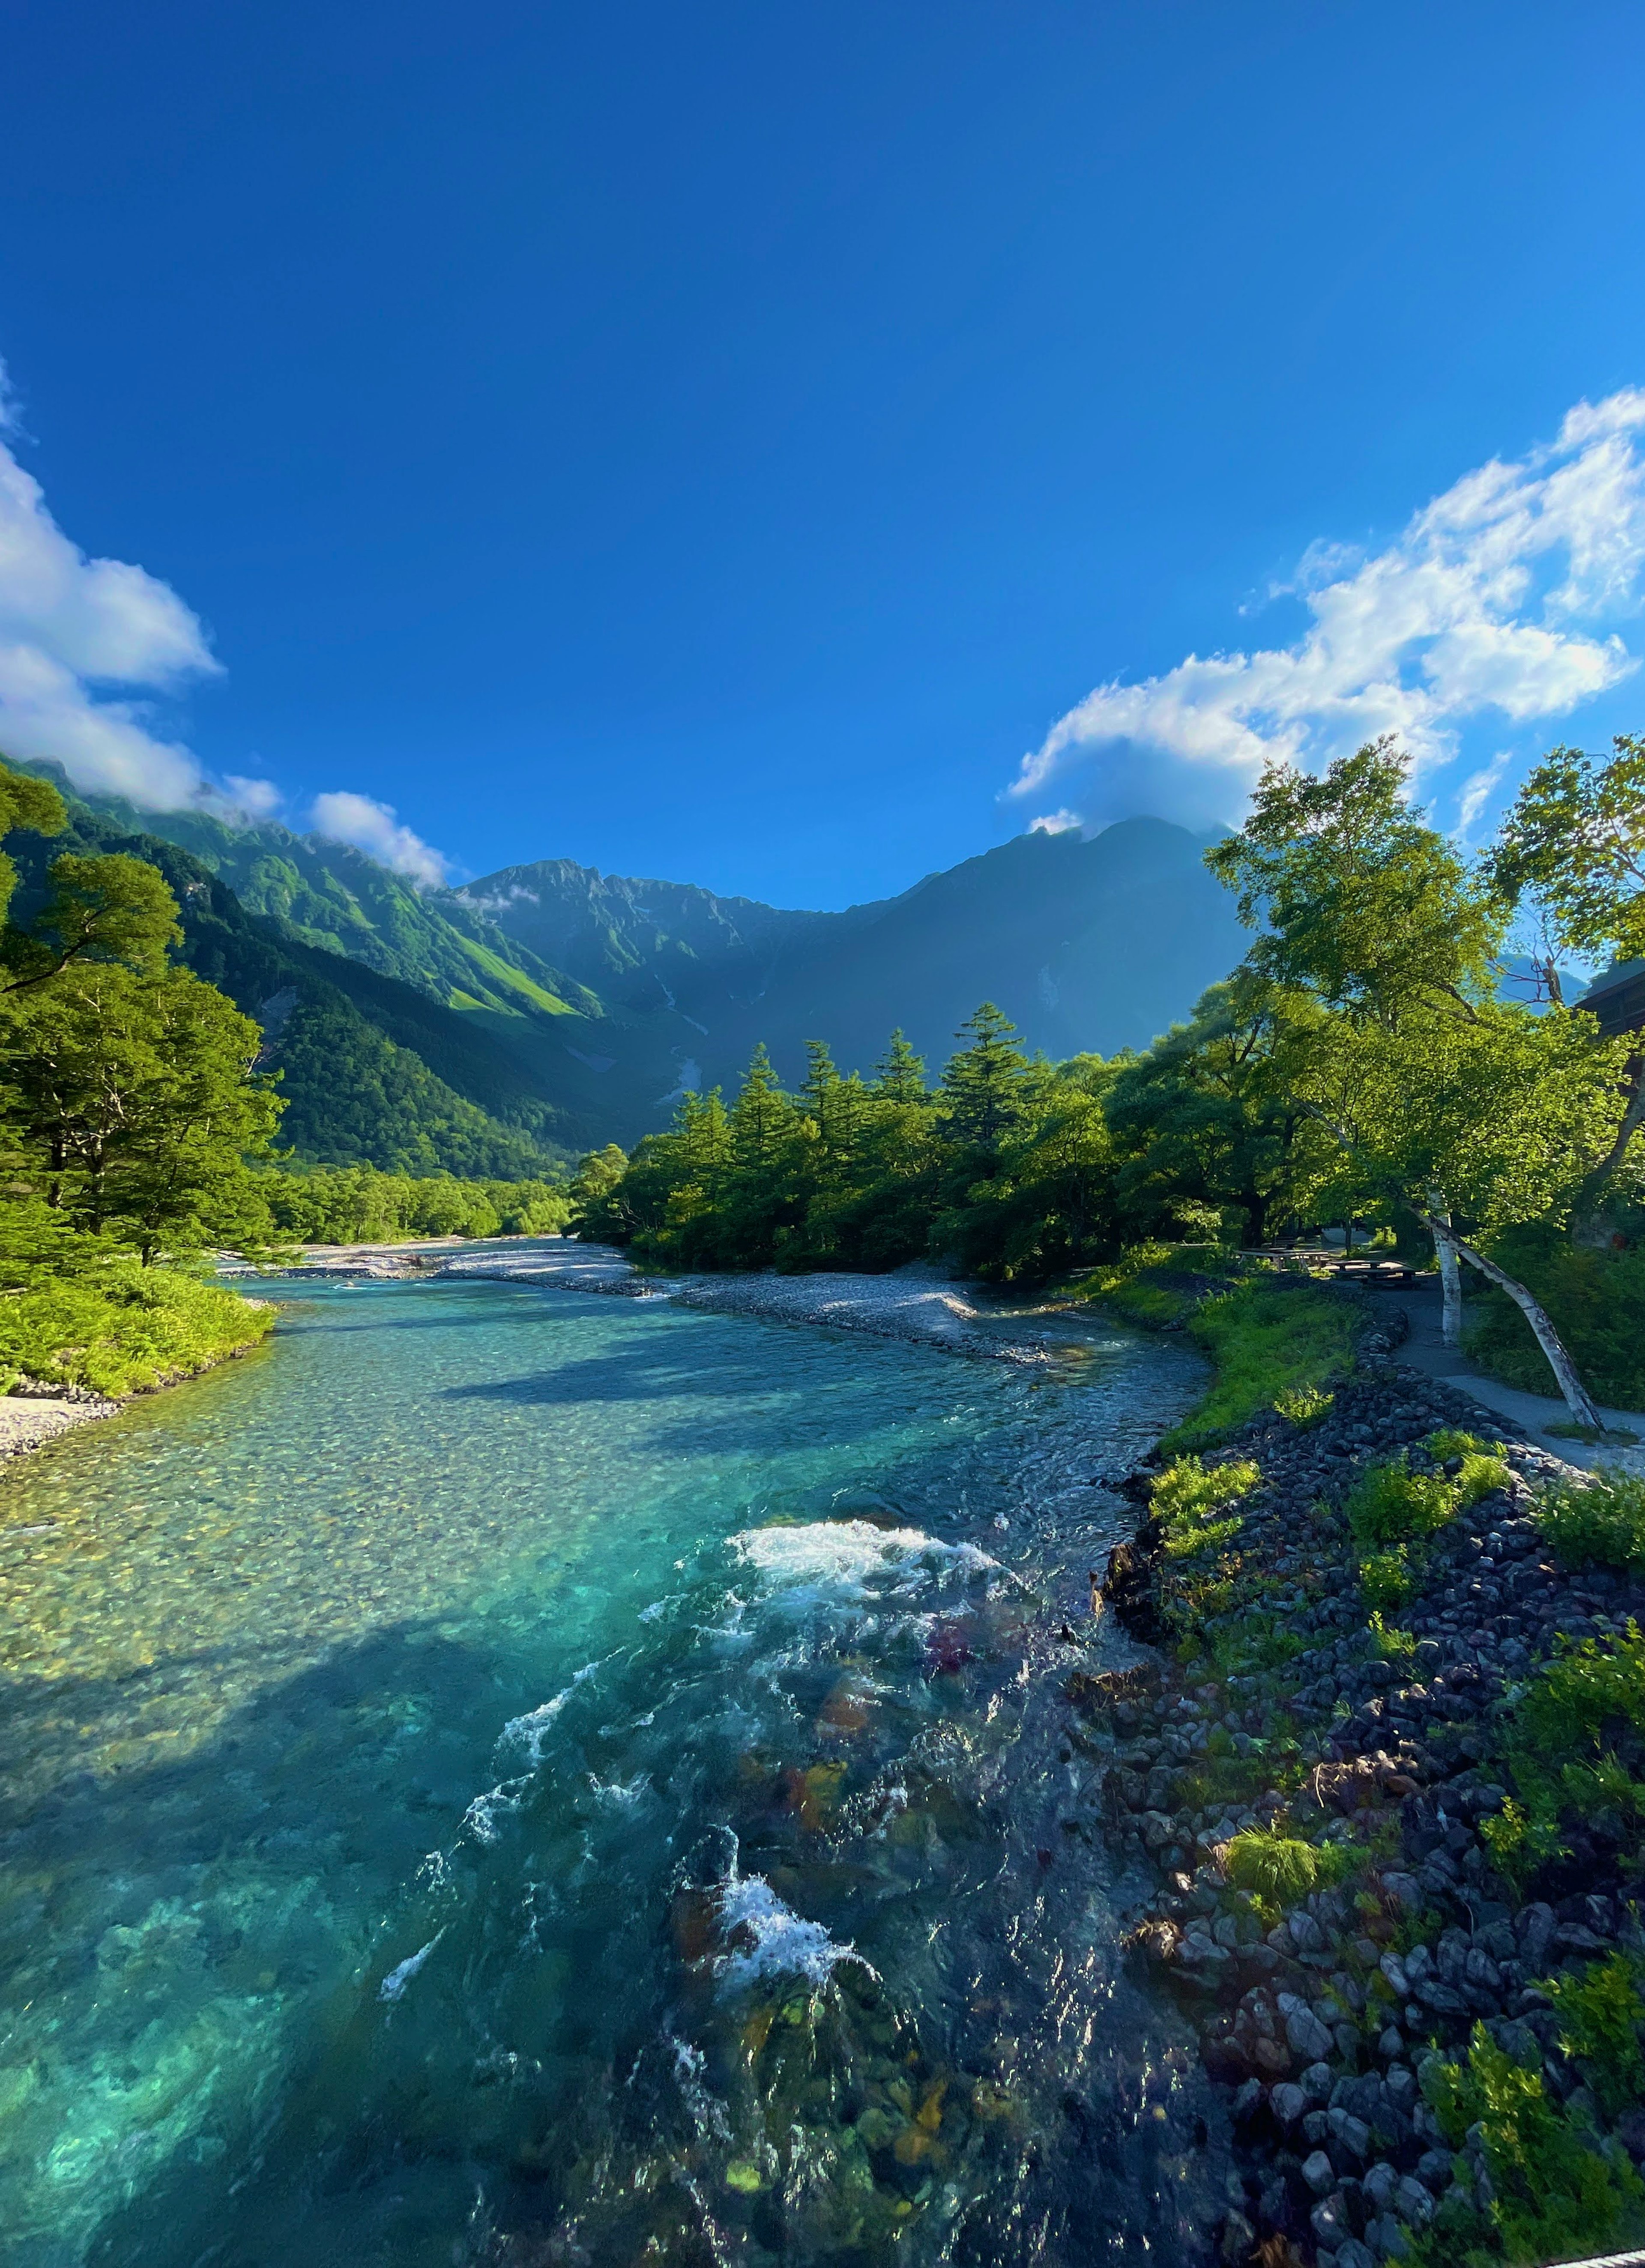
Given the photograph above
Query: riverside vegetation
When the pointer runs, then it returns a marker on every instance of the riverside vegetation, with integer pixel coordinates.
(128, 1108)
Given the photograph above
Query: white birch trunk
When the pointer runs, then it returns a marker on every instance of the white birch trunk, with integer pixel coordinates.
(1577, 1398)
(1450, 1277)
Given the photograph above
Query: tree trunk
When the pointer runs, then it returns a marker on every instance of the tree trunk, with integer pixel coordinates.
(1450, 1277)
(1577, 1398)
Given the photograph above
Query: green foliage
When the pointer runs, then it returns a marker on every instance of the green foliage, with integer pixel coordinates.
(1393, 1644)
(1575, 841)
(1360, 903)
(1596, 1298)
(1447, 1441)
(1391, 1504)
(1600, 1523)
(1187, 1499)
(356, 1204)
(128, 1108)
(131, 1104)
(1206, 1124)
(1575, 1740)
(357, 1097)
(1559, 2193)
(1006, 1170)
(1189, 1491)
(1385, 1579)
(120, 1328)
(1304, 1405)
(1600, 2012)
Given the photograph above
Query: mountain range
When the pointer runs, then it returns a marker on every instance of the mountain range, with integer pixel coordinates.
(548, 1008)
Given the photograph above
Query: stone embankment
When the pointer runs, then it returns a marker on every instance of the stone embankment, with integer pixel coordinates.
(1331, 2012)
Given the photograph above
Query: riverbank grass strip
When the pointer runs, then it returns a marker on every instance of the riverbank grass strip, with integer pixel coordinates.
(125, 1329)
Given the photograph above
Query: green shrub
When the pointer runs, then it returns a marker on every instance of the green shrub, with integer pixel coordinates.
(1187, 1498)
(1304, 1405)
(124, 1329)
(1599, 1525)
(1450, 1441)
(1600, 2013)
(1390, 1505)
(1385, 1579)
(1282, 1868)
(1575, 1740)
(1560, 2193)
(1393, 1644)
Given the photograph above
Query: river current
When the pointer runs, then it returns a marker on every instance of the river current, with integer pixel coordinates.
(513, 1775)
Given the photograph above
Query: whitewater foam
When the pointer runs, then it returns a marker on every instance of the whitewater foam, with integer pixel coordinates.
(852, 1559)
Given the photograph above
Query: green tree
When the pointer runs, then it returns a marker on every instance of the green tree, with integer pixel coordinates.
(985, 1088)
(131, 1105)
(1359, 903)
(1212, 1112)
(1416, 1070)
(1571, 854)
(900, 1074)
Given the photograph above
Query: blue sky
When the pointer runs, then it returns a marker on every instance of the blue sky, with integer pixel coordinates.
(724, 443)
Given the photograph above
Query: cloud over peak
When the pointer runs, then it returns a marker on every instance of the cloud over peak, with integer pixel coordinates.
(374, 828)
(1499, 596)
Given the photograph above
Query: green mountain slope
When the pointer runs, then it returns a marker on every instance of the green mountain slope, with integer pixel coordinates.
(359, 1053)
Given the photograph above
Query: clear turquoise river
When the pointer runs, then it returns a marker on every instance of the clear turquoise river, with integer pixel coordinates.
(512, 1776)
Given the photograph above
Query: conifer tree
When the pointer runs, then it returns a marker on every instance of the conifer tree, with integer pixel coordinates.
(984, 1086)
(900, 1074)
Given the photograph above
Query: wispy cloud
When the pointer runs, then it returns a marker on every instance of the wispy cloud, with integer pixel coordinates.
(1500, 597)
(374, 828)
(1055, 823)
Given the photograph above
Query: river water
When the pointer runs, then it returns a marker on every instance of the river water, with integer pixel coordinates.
(512, 1776)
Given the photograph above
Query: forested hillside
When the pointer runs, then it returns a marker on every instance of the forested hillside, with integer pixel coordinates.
(372, 1071)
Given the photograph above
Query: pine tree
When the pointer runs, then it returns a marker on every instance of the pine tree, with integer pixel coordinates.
(984, 1087)
(900, 1074)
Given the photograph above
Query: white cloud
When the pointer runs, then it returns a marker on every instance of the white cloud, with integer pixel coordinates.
(1500, 596)
(69, 625)
(250, 799)
(1055, 823)
(342, 816)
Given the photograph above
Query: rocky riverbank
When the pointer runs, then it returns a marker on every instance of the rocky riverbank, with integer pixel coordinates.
(31, 1416)
(1388, 1969)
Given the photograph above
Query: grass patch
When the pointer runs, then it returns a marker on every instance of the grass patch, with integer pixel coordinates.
(1602, 1525)
(1282, 1868)
(124, 1329)
(1269, 1336)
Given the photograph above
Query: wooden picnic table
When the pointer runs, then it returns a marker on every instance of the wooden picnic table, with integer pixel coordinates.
(1335, 1262)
